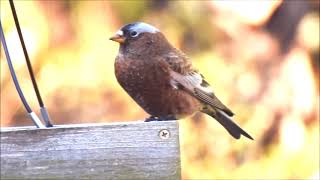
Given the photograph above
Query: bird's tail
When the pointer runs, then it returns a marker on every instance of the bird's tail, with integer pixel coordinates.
(229, 124)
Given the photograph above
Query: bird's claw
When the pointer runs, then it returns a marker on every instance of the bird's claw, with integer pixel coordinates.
(155, 118)
(151, 118)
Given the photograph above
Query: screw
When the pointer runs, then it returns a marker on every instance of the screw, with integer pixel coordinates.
(164, 134)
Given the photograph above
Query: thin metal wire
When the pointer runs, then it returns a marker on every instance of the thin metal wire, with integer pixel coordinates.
(34, 118)
(34, 83)
(44, 112)
(13, 74)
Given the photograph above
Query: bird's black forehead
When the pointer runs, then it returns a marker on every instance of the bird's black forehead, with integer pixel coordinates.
(139, 27)
(128, 27)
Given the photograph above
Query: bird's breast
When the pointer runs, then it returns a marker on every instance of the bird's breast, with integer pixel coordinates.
(132, 75)
(140, 78)
(150, 87)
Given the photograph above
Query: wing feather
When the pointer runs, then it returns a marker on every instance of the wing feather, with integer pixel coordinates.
(184, 75)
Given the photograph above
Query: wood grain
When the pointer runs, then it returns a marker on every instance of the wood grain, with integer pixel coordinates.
(92, 151)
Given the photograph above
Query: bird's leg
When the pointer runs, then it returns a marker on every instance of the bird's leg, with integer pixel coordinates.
(151, 118)
(161, 118)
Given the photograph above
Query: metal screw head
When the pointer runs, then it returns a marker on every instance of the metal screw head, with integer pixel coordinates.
(164, 134)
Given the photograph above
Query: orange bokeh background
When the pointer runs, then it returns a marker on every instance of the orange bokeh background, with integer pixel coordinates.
(274, 91)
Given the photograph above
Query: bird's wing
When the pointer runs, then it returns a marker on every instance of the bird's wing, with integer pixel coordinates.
(184, 76)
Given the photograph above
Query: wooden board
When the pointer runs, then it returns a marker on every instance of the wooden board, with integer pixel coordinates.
(97, 151)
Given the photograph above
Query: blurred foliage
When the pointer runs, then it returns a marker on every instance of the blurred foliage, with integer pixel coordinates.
(237, 45)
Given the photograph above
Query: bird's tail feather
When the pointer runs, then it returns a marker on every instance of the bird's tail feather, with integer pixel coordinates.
(229, 124)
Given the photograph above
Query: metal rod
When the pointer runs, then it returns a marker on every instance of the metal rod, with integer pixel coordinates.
(33, 116)
(44, 112)
(34, 83)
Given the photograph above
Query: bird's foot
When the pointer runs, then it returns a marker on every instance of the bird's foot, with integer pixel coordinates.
(151, 118)
(161, 118)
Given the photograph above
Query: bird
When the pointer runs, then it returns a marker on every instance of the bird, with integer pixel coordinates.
(162, 80)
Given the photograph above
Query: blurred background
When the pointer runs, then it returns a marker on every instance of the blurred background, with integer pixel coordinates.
(261, 57)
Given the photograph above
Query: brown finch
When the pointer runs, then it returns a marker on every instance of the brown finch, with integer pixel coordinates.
(162, 80)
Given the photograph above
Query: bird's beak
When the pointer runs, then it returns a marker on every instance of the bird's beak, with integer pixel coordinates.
(118, 37)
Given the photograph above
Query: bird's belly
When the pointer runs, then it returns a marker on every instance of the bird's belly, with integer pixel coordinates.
(167, 102)
(160, 101)
(152, 91)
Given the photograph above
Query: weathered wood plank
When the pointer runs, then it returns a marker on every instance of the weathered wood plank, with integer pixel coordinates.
(95, 151)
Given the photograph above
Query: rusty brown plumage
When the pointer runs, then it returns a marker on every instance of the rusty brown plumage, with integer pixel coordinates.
(162, 79)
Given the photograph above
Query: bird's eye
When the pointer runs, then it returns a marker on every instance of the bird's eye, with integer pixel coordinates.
(133, 34)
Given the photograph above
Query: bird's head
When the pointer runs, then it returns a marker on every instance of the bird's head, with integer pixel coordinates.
(140, 37)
